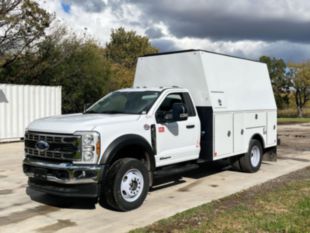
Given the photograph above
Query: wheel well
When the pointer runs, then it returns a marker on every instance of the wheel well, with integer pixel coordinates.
(137, 152)
(259, 138)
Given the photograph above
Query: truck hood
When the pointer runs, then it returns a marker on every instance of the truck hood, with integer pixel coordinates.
(71, 123)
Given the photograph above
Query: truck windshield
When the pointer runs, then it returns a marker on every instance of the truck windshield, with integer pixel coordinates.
(121, 102)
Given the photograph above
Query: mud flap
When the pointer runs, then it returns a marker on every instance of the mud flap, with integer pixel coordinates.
(270, 154)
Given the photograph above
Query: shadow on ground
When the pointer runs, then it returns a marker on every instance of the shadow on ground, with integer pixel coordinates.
(160, 182)
(62, 202)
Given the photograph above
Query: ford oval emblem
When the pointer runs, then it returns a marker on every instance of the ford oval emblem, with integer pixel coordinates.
(42, 146)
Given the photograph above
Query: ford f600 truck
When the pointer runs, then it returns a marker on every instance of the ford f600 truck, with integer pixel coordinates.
(185, 107)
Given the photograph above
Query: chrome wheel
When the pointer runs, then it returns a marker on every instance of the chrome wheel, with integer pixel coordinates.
(132, 185)
(255, 156)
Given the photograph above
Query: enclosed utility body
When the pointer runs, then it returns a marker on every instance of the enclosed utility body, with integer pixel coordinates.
(184, 108)
(233, 97)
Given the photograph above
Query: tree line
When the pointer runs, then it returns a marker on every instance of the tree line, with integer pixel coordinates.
(34, 50)
(290, 82)
(85, 70)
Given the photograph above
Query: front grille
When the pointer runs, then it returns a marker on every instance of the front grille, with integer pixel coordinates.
(60, 146)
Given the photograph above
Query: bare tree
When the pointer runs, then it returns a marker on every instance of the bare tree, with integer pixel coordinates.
(22, 23)
(300, 81)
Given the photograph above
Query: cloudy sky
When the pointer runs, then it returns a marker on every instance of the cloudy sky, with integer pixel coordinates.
(247, 28)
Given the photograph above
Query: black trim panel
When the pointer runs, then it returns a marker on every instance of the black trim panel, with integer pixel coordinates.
(153, 138)
(206, 142)
(64, 190)
(127, 140)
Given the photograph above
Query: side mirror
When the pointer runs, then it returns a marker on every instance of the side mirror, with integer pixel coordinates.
(164, 117)
(179, 112)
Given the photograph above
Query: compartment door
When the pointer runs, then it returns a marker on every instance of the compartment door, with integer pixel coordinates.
(223, 135)
(239, 133)
(271, 128)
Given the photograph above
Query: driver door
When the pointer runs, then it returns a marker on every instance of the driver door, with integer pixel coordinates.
(177, 141)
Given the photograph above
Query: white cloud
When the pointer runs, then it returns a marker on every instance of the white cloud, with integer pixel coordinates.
(97, 25)
(248, 49)
(163, 16)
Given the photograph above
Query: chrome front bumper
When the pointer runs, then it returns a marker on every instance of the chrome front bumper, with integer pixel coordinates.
(62, 173)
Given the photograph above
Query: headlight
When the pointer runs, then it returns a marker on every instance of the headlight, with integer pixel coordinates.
(88, 139)
(90, 147)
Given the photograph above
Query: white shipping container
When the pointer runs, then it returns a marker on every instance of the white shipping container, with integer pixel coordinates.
(21, 104)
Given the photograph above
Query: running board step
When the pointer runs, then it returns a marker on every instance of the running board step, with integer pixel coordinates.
(172, 170)
(203, 160)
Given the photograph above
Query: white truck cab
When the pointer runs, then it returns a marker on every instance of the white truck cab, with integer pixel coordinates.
(185, 107)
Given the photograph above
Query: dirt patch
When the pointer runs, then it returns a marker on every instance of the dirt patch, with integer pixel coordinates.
(15, 205)
(61, 224)
(6, 191)
(188, 187)
(296, 159)
(26, 214)
(294, 139)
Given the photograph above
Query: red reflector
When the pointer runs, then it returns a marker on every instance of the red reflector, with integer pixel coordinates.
(161, 129)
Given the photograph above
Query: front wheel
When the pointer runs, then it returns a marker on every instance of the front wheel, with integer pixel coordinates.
(252, 160)
(127, 184)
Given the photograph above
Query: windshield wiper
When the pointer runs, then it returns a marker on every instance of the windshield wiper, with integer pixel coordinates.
(91, 112)
(110, 112)
(113, 112)
(119, 112)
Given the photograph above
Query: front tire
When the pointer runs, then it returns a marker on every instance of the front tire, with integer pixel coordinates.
(127, 184)
(252, 160)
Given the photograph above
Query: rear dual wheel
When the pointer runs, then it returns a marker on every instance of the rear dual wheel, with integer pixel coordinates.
(252, 160)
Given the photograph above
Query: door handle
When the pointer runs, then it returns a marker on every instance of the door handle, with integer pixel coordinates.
(190, 126)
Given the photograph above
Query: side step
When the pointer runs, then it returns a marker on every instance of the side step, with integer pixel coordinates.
(176, 169)
(203, 161)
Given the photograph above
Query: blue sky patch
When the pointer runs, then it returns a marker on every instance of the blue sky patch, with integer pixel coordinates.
(65, 6)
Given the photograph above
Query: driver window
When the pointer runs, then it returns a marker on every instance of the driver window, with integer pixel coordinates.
(166, 106)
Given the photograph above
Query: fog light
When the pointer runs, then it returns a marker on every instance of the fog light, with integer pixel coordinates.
(80, 174)
(88, 155)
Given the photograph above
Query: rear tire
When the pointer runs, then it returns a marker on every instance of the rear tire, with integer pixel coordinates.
(252, 160)
(126, 186)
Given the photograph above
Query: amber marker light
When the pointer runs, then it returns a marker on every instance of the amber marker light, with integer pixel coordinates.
(98, 148)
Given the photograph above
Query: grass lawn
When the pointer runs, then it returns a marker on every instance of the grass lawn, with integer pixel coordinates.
(293, 120)
(281, 205)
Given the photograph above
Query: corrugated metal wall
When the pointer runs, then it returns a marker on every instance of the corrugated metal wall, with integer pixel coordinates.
(21, 104)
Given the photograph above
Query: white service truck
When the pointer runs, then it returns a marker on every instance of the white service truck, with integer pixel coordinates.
(186, 107)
